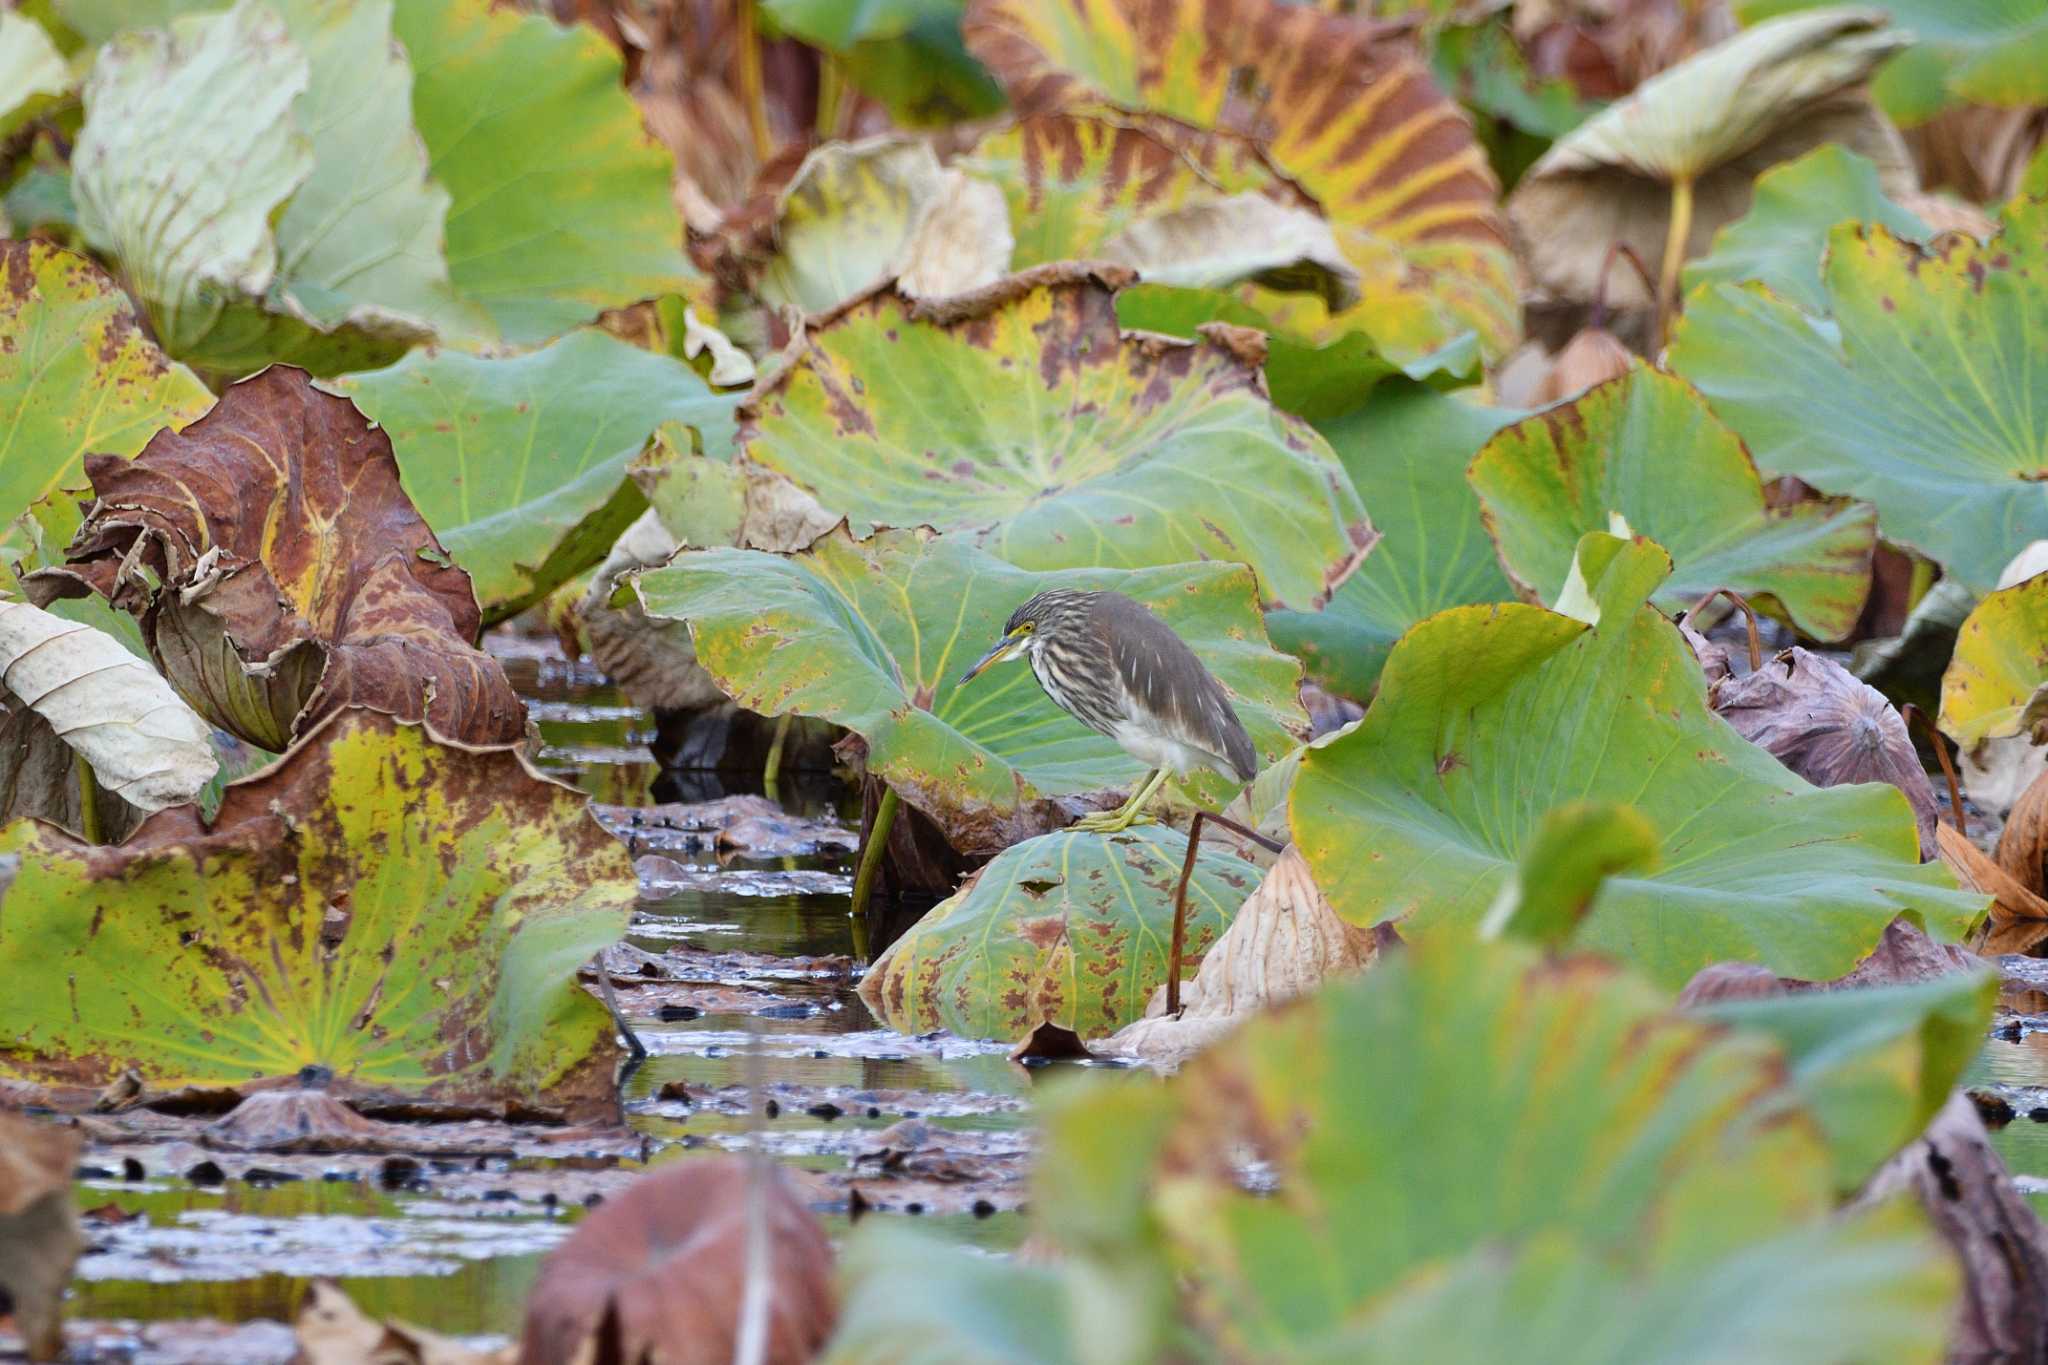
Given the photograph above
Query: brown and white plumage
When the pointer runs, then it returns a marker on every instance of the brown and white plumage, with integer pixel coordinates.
(1156, 698)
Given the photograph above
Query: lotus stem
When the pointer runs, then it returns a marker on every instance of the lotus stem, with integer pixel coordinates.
(1910, 713)
(871, 850)
(748, 34)
(1674, 254)
(772, 770)
(89, 822)
(635, 1049)
(832, 101)
(1756, 645)
(1177, 945)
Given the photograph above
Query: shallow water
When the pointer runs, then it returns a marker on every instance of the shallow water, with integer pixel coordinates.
(458, 1249)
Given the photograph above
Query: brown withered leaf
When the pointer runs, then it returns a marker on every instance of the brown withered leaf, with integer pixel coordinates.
(1283, 943)
(1970, 1198)
(287, 573)
(1816, 718)
(2019, 918)
(39, 1236)
(2023, 843)
(659, 1275)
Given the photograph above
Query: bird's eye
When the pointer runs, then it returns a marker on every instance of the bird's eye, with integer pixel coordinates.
(1025, 629)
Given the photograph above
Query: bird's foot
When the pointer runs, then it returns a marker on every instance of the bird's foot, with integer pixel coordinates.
(1110, 821)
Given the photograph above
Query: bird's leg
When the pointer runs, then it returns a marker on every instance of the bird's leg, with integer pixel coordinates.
(1126, 815)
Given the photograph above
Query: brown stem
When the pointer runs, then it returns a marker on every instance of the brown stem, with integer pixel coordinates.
(1910, 713)
(1178, 944)
(1618, 251)
(1756, 644)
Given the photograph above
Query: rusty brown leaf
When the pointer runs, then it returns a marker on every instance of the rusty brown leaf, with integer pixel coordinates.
(1816, 718)
(2023, 843)
(659, 1275)
(39, 1236)
(280, 572)
(2019, 918)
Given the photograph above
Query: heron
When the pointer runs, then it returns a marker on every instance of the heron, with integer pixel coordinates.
(1110, 663)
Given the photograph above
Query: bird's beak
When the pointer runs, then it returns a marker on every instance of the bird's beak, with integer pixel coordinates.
(1005, 648)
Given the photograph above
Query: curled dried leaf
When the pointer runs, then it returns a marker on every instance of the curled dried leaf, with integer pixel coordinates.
(281, 573)
(659, 1275)
(2019, 918)
(2023, 843)
(1817, 719)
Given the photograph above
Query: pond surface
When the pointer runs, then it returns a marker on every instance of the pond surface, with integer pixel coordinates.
(765, 950)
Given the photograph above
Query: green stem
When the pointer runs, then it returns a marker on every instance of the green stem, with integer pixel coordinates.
(1674, 255)
(871, 855)
(748, 37)
(89, 823)
(773, 769)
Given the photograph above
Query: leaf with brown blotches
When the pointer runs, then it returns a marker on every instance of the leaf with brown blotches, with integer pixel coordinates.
(407, 914)
(659, 1276)
(2023, 843)
(280, 572)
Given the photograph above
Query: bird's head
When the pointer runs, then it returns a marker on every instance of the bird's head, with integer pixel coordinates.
(1047, 611)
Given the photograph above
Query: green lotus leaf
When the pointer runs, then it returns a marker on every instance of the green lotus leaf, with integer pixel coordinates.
(906, 53)
(1023, 416)
(1873, 1065)
(189, 149)
(1982, 53)
(1406, 452)
(1994, 685)
(1915, 397)
(1069, 928)
(1355, 121)
(1488, 717)
(77, 375)
(519, 462)
(32, 71)
(1551, 478)
(1386, 1226)
(560, 201)
(1779, 242)
(406, 913)
(874, 634)
(1574, 851)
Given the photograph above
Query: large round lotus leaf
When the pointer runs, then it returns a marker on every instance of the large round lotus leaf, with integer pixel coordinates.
(874, 635)
(1355, 1102)
(1023, 415)
(561, 203)
(1977, 51)
(1994, 684)
(189, 151)
(1714, 121)
(1406, 452)
(1645, 448)
(519, 462)
(1648, 1190)
(1918, 396)
(1780, 241)
(1069, 929)
(842, 220)
(1351, 118)
(1875, 1064)
(281, 574)
(76, 375)
(32, 71)
(1488, 717)
(407, 913)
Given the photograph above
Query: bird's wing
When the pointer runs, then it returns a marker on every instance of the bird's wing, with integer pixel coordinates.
(1172, 685)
